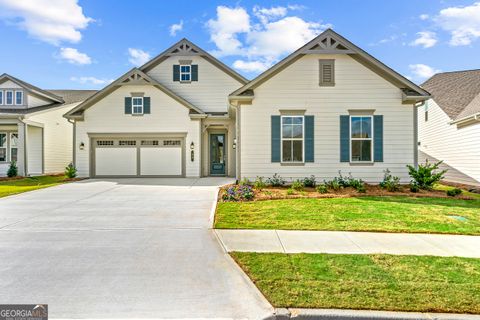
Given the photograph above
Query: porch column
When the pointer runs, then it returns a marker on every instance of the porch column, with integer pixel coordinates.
(21, 152)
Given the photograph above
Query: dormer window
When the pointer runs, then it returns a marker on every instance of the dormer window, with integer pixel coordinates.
(137, 105)
(9, 97)
(185, 73)
(19, 98)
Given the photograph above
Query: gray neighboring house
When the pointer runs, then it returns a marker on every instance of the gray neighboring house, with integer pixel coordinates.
(32, 130)
(449, 125)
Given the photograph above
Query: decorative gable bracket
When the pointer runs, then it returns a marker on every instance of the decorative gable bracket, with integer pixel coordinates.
(135, 78)
(328, 45)
(183, 49)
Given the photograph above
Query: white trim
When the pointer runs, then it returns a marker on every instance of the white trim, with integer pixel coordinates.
(292, 139)
(13, 98)
(361, 139)
(137, 105)
(189, 73)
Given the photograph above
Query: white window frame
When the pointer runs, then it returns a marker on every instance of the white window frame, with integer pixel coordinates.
(11, 146)
(189, 73)
(137, 105)
(13, 97)
(5, 147)
(361, 139)
(292, 139)
(2, 97)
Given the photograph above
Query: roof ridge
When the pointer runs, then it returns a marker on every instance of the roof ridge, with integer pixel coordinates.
(457, 71)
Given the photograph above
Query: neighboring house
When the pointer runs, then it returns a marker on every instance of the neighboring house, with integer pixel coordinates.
(329, 106)
(449, 125)
(32, 130)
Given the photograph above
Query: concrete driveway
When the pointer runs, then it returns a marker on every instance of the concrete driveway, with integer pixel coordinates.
(125, 248)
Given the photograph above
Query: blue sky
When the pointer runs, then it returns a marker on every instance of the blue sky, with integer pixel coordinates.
(60, 44)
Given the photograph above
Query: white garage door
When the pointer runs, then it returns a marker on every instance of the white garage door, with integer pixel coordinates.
(138, 157)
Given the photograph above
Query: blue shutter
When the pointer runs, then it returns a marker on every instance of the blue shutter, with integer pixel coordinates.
(128, 105)
(309, 142)
(194, 72)
(344, 138)
(378, 138)
(146, 105)
(276, 139)
(176, 72)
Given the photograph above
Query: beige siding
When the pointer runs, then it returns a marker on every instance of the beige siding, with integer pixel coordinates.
(34, 150)
(167, 116)
(9, 85)
(58, 135)
(458, 147)
(296, 87)
(34, 101)
(209, 93)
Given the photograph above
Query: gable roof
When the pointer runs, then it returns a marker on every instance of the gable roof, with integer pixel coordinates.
(134, 76)
(185, 47)
(73, 96)
(457, 93)
(330, 42)
(43, 93)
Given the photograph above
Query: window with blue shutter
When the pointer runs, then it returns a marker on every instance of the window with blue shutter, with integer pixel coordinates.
(194, 72)
(276, 140)
(146, 105)
(128, 105)
(378, 138)
(344, 138)
(309, 139)
(176, 72)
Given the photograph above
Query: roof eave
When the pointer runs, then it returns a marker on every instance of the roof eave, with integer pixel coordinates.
(471, 118)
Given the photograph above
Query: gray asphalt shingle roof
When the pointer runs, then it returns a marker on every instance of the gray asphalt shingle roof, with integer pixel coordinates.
(457, 93)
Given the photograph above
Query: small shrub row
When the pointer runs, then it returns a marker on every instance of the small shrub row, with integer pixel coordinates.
(238, 193)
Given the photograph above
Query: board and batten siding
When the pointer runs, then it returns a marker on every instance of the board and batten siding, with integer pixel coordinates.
(356, 87)
(209, 93)
(58, 135)
(458, 147)
(166, 116)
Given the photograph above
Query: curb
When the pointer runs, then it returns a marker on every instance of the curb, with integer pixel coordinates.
(342, 314)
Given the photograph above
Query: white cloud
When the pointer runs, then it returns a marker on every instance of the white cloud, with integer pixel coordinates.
(224, 29)
(424, 16)
(251, 66)
(138, 57)
(262, 38)
(91, 80)
(73, 56)
(422, 71)
(176, 27)
(426, 39)
(52, 21)
(463, 23)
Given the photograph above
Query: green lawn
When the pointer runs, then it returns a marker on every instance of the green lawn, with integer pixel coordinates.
(10, 187)
(379, 282)
(443, 187)
(382, 214)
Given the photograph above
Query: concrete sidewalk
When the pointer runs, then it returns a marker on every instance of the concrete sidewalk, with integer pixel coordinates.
(284, 241)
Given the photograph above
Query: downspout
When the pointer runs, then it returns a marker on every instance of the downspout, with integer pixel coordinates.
(74, 148)
(415, 132)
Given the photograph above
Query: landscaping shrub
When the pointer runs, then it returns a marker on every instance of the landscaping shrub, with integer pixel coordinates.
(290, 191)
(350, 182)
(425, 176)
(238, 193)
(309, 182)
(297, 185)
(276, 181)
(321, 188)
(390, 183)
(245, 182)
(454, 192)
(70, 171)
(414, 187)
(361, 188)
(333, 184)
(12, 170)
(259, 184)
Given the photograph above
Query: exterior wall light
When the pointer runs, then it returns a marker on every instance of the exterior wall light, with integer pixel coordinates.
(82, 146)
(192, 146)
(192, 153)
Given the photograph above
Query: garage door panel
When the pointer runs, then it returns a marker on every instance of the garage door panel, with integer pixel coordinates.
(161, 161)
(116, 161)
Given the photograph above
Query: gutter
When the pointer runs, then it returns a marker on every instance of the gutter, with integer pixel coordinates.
(474, 117)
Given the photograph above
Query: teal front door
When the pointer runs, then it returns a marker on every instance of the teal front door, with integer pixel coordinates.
(217, 154)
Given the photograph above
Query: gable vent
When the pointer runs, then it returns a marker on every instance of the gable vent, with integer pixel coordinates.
(327, 72)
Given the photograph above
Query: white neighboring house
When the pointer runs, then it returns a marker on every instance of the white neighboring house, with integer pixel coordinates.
(32, 130)
(329, 106)
(449, 125)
